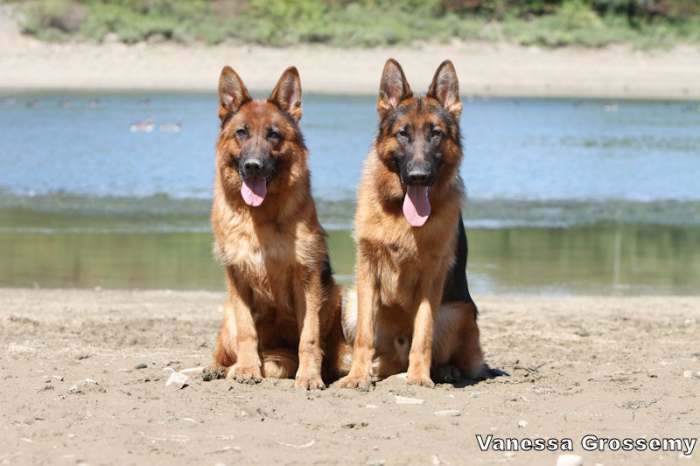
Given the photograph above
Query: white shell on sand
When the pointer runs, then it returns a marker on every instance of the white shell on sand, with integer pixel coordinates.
(178, 380)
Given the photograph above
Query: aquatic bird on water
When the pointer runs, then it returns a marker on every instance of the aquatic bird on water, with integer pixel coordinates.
(171, 127)
(144, 126)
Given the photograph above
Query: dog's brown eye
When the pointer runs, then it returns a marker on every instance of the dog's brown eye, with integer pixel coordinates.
(403, 133)
(241, 133)
(436, 133)
(272, 134)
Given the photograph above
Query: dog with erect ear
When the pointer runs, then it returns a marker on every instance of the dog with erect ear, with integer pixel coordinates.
(413, 310)
(282, 314)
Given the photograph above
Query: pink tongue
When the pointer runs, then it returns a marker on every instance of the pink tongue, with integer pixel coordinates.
(416, 205)
(253, 191)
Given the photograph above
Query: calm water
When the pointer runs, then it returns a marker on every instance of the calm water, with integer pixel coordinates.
(564, 196)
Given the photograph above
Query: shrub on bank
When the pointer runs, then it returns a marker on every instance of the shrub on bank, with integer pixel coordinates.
(366, 22)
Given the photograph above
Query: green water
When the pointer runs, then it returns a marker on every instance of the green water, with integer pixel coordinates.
(86, 251)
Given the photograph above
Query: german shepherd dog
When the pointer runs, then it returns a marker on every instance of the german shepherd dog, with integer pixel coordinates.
(282, 298)
(413, 308)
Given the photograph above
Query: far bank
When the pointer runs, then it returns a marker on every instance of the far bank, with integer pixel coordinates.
(485, 69)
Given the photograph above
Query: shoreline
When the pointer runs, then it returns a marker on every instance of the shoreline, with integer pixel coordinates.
(11, 91)
(484, 69)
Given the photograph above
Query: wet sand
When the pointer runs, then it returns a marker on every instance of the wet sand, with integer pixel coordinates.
(83, 380)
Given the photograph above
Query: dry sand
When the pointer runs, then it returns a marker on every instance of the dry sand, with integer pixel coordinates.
(609, 366)
(485, 69)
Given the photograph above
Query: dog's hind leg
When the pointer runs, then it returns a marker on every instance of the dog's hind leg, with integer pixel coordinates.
(457, 349)
(468, 356)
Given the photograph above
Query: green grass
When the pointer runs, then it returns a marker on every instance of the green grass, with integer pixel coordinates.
(368, 23)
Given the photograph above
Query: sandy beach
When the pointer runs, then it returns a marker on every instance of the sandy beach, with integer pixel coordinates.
(485, 69)
(84, 382)
(86, 375)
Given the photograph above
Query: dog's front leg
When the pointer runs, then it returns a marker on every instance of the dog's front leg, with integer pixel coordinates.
(363, 348)
(247, 368)
(308, 301)
(419, 358)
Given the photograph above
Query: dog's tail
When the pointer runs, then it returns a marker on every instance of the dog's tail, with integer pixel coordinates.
(338, 349)
(279, 363)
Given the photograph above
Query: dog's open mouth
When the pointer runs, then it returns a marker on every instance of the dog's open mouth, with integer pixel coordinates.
(416, 205)
(254, 190)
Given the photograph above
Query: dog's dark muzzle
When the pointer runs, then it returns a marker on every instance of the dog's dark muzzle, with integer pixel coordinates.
(256, 167)
(418, 174)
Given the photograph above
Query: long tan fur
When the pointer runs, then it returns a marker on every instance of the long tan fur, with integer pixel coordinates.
(401, 321)
(283, 307)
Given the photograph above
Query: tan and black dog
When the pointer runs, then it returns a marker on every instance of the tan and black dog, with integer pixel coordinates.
(413, 310)
(282, 299)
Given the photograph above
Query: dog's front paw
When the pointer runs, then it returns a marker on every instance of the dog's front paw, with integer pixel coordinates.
(213, 373)
(245, 374)
(309, 382)
(420, 380)
(354, 381)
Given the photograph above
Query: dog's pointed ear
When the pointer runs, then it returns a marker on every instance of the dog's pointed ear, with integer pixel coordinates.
(393, 87)
(232, 92)
(445, 88)
(287, 93)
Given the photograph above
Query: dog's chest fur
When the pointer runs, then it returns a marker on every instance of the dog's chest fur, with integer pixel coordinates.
(402, 259)
(264, 256)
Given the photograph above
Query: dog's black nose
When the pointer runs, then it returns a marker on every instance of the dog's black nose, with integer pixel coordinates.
(418, 177)
(252, 167)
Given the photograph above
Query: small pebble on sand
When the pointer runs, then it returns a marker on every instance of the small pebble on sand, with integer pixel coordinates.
(447, 412)
(687, 374)
(14, 348)
(405, 400)
(84, 386)
(522, 423)
(569, 460)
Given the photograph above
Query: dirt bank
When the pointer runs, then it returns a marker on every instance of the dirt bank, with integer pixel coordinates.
(485, 69)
